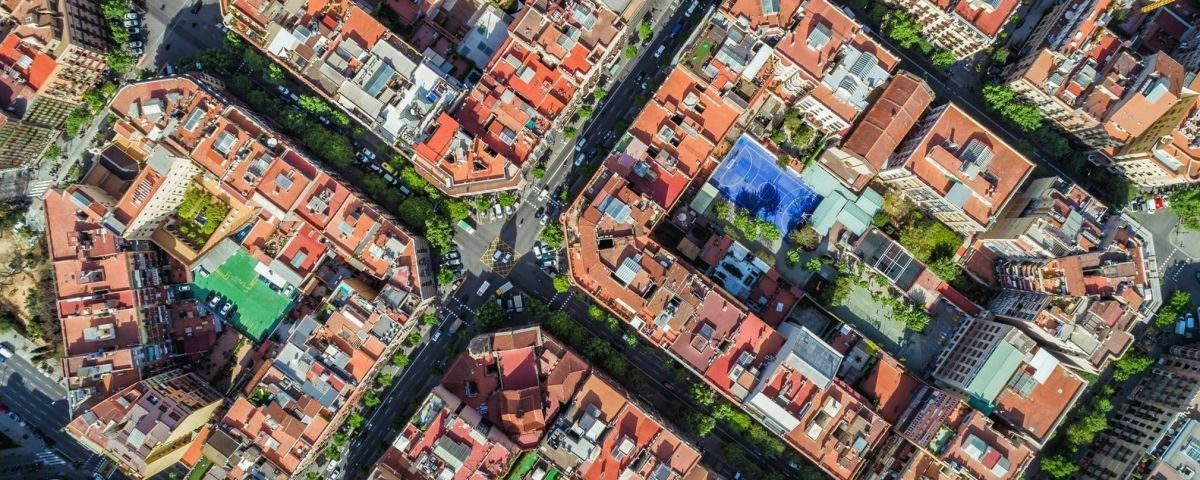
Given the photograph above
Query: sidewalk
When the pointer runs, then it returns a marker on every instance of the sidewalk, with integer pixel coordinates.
(22, 346)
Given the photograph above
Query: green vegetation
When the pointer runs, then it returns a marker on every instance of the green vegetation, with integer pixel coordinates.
(445, 276)
(260, 397)
(552, 235)
(569, 132)
(119, 60)
(943, 59)
(490, 316)
(400, 360)
(929, 240)
(1177, 306)
(561, 283)
(596, 350)
(355, 421)
(701, 54)
(599, 94)
(902, 28)
(201, 468)
(523, 465)
(585, 112)
(385, 380)
(1186, 204)
(750, 226)
(424, 212)
(645, 31)
(631, 51)
(1004, 101)
(198, 216)
(797, 138)
(538, 172)
(94, 101)
(1132, 364)
(805, 237)
(371, 400)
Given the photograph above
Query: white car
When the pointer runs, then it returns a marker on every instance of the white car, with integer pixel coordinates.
(508, 210)
(579, 159)
(544, 194)
(497, 211)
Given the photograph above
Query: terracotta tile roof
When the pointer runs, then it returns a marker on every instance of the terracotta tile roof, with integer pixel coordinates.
(1038, 413)
(988, 19)
(816, 40)
(938, 161)
(888, 121)
(752, 10)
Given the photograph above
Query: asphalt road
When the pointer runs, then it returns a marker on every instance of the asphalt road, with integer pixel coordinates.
(408, 387)
(42, 403)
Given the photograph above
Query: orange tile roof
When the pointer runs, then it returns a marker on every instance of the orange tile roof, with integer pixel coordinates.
(35, 66)
(798, 45)
(752, 10)
(935, 160)
(888, 120)
(1038, 414)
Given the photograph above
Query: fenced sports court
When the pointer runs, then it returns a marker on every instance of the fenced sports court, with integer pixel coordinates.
(750, 178)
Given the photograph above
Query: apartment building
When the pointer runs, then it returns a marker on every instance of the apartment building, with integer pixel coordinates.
(1068, 274)
(51, 53)
(1138, 112)
(865, 150)
(473, 29)
(123, 319)
(828, 68)
(996, 368)
(956, 170)
(1146, 417)
(286, 210)
(1178, 460)
(577, 423)
(553, 57)
(963, 28)
(148, 426)
(294, 403)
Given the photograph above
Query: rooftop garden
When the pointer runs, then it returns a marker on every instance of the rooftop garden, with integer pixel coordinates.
(198, 216)
(327, 134)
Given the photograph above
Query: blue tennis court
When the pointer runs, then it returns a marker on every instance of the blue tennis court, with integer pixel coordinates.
(750, 179)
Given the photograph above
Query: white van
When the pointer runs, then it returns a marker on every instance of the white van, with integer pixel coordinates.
(483, 288)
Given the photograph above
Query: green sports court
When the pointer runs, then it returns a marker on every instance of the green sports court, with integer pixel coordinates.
(229, 271)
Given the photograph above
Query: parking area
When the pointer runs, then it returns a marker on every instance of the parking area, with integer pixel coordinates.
(242, 296)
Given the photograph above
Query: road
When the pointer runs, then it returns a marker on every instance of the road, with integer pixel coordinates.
(408, 387)
(42, 403)
(519, 231)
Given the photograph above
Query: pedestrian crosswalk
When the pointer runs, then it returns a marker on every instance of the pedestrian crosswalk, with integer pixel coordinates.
(36, 189)
(49, 459)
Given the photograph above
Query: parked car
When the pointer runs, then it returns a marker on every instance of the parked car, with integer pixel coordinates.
(5, 354)
(136, 44)
(133, 16)
(544, 194)
(509, 210)
(579, 159)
